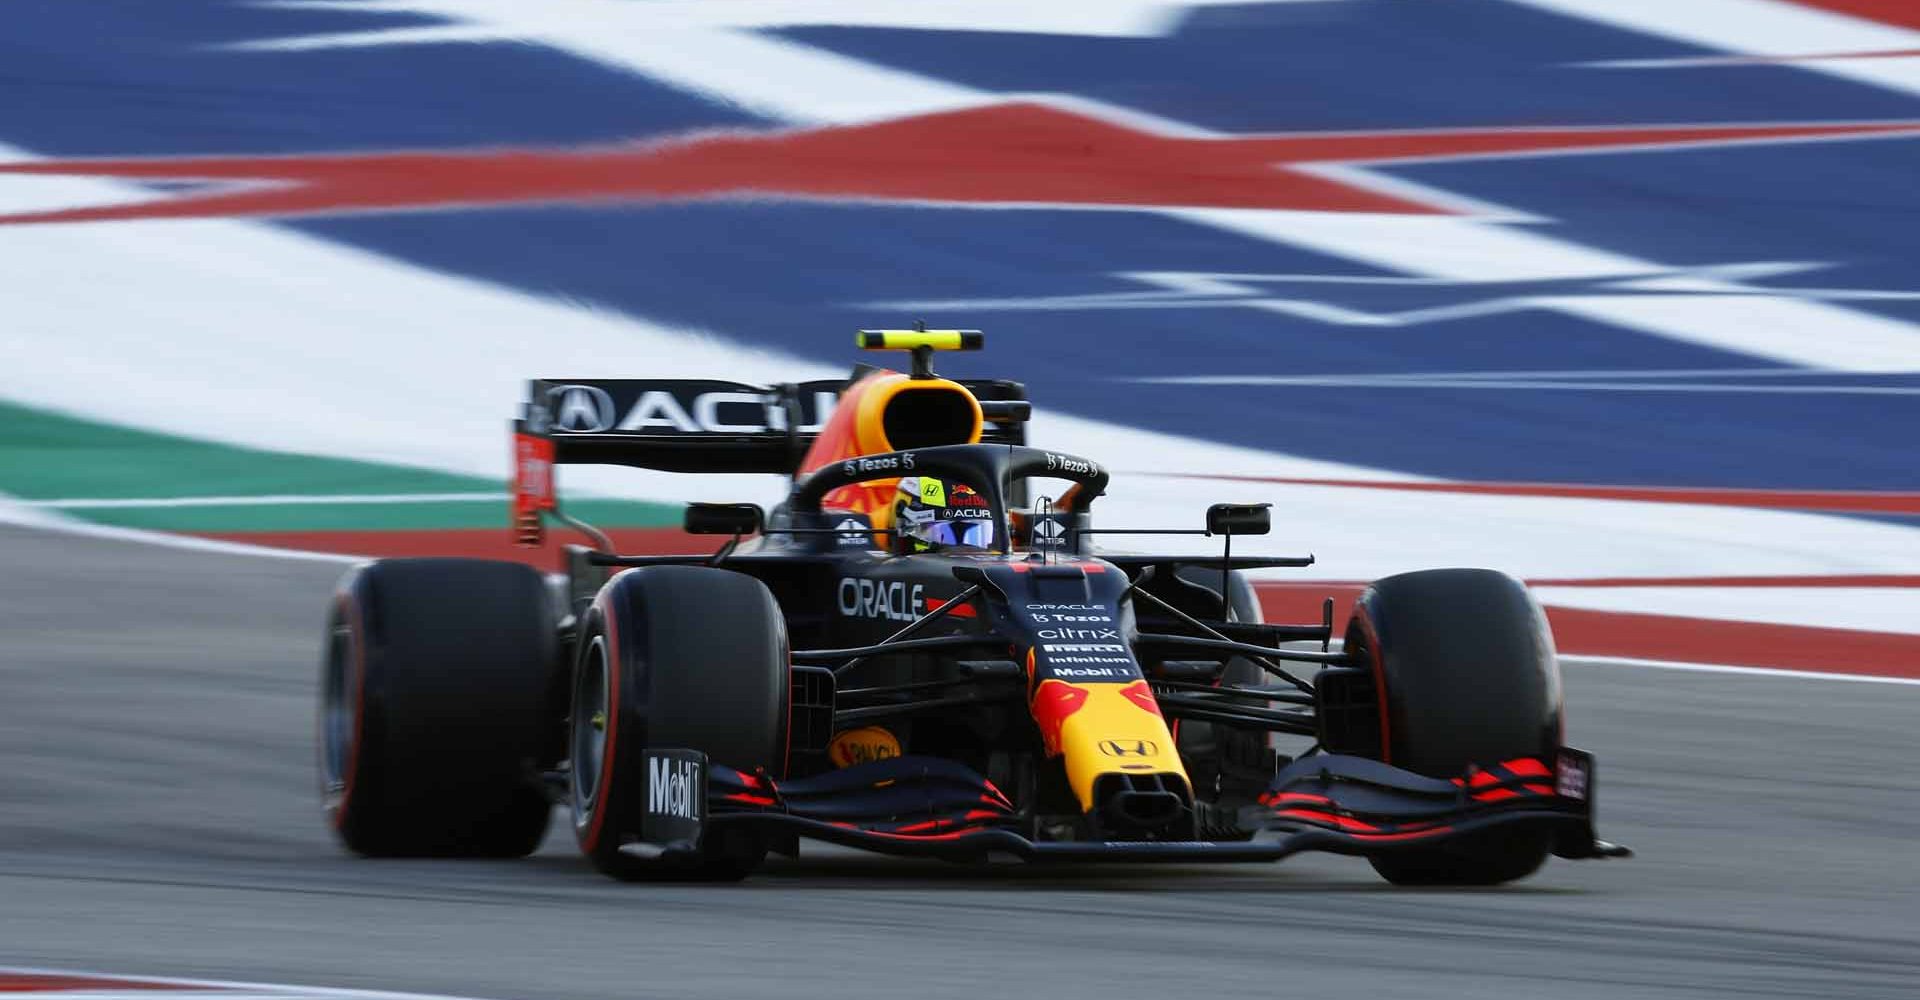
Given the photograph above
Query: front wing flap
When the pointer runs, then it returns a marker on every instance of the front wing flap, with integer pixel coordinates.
(1353, 805)
(931, 807)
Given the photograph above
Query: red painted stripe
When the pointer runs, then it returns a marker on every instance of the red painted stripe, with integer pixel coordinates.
(1579, 632)
(20, 982)
(1900, 13)
(1837, 580)
(1002, 154)
(1840, 501)
(1870, 580)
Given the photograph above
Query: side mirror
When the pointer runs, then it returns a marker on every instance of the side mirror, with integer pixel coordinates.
(723, 518)
(1239, 519)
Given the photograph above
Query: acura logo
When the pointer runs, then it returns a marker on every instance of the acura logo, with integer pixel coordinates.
(1130, 748)
(580, 409)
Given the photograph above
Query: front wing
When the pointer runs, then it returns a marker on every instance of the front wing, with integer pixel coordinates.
(931, 807)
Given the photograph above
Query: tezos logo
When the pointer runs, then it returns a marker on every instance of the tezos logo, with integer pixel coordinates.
(1130, 748)
(671, 787)
(855, 466)
(872, 599)
(1061, 463)
(580, 409)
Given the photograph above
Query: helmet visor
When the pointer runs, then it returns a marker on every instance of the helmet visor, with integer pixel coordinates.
(978, 534)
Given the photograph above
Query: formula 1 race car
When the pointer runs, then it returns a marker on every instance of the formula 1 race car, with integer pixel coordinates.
(913, 655)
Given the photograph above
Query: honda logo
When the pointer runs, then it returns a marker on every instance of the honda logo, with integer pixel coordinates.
(1130, 748)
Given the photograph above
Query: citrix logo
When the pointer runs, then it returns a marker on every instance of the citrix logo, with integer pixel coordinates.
(1079, 633)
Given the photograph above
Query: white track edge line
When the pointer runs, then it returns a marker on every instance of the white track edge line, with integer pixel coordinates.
(223, 984)
(69, 526)
(261, 500)
(1727, 668)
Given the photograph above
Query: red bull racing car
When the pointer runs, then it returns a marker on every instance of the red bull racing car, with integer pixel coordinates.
(922, 651)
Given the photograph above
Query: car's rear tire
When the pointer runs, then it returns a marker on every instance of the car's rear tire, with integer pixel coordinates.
(433, 705)
(680, 657)
(1464, 666)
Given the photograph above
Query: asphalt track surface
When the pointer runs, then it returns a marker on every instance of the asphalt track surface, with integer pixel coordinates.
(158, 816)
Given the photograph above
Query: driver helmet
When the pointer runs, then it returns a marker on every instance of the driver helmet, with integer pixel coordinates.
(931, 513)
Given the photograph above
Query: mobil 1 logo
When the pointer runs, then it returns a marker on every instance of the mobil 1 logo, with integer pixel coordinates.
(675, 798)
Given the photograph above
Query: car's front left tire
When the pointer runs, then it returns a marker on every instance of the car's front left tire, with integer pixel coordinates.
(1464, 665)
(674, 657)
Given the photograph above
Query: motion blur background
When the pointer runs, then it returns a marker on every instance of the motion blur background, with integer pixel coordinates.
(1615, 295)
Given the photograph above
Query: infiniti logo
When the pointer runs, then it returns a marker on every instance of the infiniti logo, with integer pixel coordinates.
(580, 409)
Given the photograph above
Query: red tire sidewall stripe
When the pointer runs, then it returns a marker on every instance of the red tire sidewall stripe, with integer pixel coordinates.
(1376, 662)
(608, 757)
(357, 640)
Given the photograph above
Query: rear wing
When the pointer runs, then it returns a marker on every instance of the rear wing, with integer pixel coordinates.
(689, 425)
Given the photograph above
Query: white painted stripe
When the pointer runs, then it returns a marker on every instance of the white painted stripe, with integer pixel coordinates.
(1729, 669)
(264, 500)
(1573, 385)
(1794, 331)
(1090, 18)
(1791, 331)
(1866, 609)
(709, 52)
(431, 34)
(1522, 375)
(14, 513)
(1763, 28)
(1696, 62)
(225, 987)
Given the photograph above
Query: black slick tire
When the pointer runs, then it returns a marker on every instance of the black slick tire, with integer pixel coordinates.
(684, 657)
(1465, 670)
(434, 702)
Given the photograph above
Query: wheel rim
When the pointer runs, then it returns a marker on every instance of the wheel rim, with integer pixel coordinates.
(337, 713)
(591, 709)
